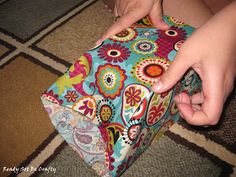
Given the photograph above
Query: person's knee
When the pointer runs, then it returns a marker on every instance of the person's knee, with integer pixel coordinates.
(193, 12)
(217, 5)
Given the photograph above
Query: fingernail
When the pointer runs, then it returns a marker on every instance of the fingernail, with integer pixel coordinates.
(157, 86)
(164, 24)
(177, 99)
(98, 42)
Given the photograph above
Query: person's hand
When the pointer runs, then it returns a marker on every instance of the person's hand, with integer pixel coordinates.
(130, 11)
(211, 52)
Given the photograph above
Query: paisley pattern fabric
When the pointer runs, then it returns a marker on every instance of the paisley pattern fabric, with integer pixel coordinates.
(104, 107)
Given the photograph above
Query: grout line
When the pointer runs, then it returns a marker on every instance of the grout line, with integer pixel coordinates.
(40, 57)
(58, 22)
(212, 147)
(10, 40)
(25, 47)
(9, 57)
(46, 60)
(234, 173)
(3, 1)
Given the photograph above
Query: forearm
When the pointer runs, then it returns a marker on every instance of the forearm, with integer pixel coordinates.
(225, 21)
(223, 25)
(227, 18)
(228, 14)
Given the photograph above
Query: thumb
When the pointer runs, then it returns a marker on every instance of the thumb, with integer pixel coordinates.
(156, 16)
(172, 75)
(122, 23)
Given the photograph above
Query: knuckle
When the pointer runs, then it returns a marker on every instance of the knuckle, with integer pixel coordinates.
(165, 78)
(231, 87)
(122, 22)
(214, 121)
(190, 121)
(229, 83)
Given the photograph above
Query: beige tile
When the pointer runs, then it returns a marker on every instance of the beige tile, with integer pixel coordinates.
(79, 34)
(24, 123)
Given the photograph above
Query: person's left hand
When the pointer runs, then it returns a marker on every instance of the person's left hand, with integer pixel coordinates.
(130, 11)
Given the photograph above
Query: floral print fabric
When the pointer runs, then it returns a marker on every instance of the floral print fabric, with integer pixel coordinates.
(104, 106)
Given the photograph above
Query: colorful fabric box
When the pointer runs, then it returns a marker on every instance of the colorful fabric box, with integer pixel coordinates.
(104, 107)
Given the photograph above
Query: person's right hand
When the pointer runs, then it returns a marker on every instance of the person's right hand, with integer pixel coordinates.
(210, 51)
(130, 11)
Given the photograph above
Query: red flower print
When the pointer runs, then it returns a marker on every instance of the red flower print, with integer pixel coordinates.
(71, 96)
(155, 114)
(133, 96)
(49, 95)
(87, 107)
(114, 52)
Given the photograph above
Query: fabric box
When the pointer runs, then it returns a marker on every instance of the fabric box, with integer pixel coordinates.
(103, 106)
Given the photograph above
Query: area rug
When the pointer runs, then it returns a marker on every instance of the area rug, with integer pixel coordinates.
(39, 40)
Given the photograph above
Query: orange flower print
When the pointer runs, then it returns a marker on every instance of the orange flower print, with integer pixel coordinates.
(133, 96)
(71, 96)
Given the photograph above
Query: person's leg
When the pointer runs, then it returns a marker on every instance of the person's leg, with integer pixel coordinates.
(192, 12)
(217, 5)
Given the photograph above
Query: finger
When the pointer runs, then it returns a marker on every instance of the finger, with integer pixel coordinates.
(123, 7)
(124, 21)
(156, 16)
(213, 90)
(197, 98)
(211, 109)
(196, 107)
(192, 116)
(173, 74)
(195, 115)
(120, 8)
(182, 98)
(115, 11)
